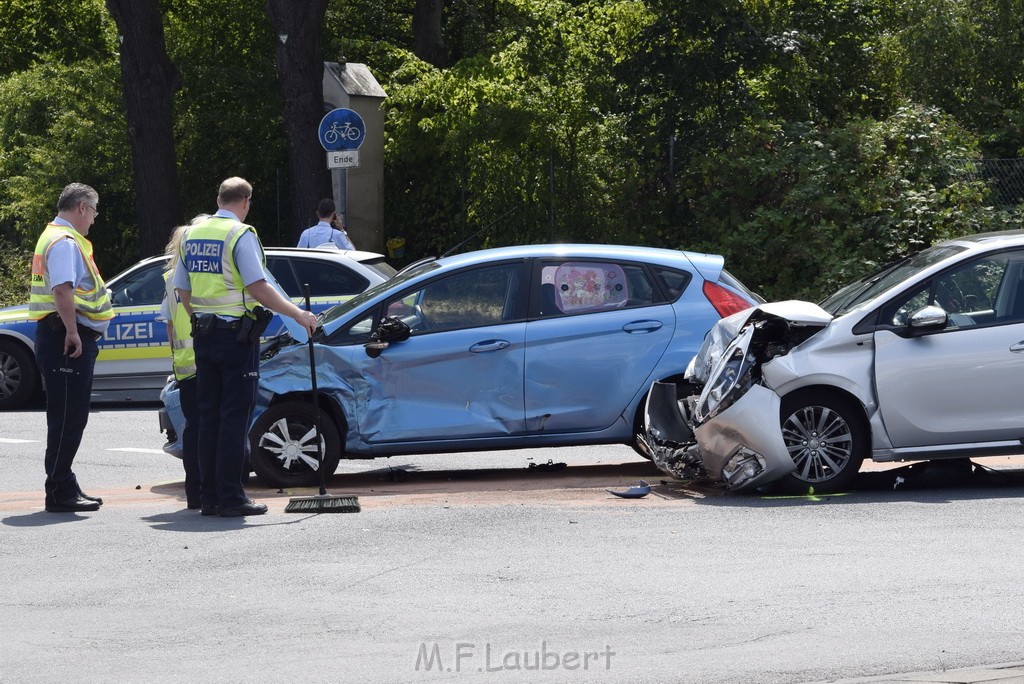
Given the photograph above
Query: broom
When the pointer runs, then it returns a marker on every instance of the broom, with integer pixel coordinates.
(322, 502)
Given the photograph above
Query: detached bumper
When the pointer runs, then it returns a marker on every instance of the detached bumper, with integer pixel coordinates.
(743, 444)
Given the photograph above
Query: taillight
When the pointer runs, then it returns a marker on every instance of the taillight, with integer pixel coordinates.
(725, 301)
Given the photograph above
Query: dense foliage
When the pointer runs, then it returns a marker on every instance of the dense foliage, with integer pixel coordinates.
(806, 141)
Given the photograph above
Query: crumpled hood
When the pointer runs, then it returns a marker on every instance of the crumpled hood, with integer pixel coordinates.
(793, 311)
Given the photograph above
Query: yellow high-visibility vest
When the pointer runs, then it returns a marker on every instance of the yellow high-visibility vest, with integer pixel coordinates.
(183, 356)
(94, 304)
(208, 254)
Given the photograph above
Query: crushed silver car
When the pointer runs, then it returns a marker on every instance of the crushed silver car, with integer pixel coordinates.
(923, 359)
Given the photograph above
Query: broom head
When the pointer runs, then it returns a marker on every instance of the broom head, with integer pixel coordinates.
(322, 503)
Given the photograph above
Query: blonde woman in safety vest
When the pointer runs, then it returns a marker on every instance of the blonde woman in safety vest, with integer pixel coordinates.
(220, 278)
(183, 360)
(72, 308)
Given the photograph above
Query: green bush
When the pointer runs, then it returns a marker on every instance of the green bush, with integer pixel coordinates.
(15, 269)
(799, 209)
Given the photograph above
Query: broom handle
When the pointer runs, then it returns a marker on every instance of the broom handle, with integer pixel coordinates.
(316, 403)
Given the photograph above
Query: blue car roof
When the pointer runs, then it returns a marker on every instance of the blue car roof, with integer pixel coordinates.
(708, 265)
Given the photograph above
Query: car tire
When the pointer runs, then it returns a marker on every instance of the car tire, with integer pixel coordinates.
(828, 439)
(284, 452)
(19, 378)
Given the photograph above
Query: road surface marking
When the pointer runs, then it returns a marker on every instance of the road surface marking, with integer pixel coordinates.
(138, 451)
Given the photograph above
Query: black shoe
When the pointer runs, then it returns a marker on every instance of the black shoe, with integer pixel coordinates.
(83, 495)
(194, 504)
(209, 510)
(75, 505)
(248, 508)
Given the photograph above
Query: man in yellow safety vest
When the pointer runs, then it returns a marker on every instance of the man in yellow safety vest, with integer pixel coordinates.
(72, 309)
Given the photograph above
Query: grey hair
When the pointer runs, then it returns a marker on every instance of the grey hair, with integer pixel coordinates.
(74, 194)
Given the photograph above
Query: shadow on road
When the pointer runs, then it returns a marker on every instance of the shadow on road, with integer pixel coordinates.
(41, 518)
(933, 482)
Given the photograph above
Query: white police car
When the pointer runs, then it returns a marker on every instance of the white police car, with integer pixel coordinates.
(134, 357)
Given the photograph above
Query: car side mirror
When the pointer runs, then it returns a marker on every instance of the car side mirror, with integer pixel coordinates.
(391, 329)
(928, 318)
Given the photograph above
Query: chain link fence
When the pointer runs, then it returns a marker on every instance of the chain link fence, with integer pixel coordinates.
(1004, 177)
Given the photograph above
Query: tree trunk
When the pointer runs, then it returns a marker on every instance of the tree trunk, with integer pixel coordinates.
(428, 44)
(149, 80)
(300, 72)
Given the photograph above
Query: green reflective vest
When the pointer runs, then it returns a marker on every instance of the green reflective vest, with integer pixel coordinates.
(183, 356)
(208, 255)
(94, 304)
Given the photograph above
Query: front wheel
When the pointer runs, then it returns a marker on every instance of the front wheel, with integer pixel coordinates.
(19, 378)
(826, 437)
(284, 452)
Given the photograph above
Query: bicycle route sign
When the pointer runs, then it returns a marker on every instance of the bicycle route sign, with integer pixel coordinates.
(341, 133)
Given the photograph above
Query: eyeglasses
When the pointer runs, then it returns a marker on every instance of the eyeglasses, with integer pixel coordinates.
(95, 211)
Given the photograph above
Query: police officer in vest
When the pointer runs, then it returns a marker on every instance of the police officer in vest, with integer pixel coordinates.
(72, 308)
(183, 362)
(220, 278)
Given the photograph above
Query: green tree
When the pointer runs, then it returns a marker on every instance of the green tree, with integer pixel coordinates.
(228, 112)
(529, 128)
(33, 31)
(62, 123)
(149, 80)
(830, 204)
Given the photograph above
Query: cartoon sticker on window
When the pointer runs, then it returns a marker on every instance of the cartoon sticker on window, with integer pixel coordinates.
(587, 287)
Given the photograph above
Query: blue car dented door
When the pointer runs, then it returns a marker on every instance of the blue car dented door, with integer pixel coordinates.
(460, 375)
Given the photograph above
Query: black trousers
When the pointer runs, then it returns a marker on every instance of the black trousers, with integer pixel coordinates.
(68, 393)
(227, 372)
(190, 439)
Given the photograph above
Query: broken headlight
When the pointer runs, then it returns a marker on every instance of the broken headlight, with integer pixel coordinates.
(730, 379)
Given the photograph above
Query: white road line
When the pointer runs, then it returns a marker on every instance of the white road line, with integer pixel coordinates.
(139, 451)
(8, 440)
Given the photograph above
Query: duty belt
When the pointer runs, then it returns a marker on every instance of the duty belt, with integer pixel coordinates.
(221, 323)
(57, 325)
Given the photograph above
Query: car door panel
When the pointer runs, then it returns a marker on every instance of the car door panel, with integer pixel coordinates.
(574, 363)
(445, 385)
(958, 386)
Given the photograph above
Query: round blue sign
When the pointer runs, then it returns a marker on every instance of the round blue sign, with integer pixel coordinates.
(342, 129)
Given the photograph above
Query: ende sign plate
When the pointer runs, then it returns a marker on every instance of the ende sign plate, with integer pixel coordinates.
(342, 160)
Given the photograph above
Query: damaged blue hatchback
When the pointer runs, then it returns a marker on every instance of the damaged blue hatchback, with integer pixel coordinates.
(545, 345)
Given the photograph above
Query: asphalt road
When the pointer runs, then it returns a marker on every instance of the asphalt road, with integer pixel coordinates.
(479, 568)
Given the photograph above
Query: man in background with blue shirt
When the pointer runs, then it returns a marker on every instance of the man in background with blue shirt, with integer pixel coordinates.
(330, 229)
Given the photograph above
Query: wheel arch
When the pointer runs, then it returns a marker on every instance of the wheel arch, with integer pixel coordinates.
(851, 399)
(25, 343)
(849, 410)
(26, 347)
(328, 406)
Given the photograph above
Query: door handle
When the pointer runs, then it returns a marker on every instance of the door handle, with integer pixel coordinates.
(489, 346)
(1019, 347)
(642, 326)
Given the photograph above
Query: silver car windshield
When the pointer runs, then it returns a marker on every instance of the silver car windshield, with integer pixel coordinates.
(856, 293)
